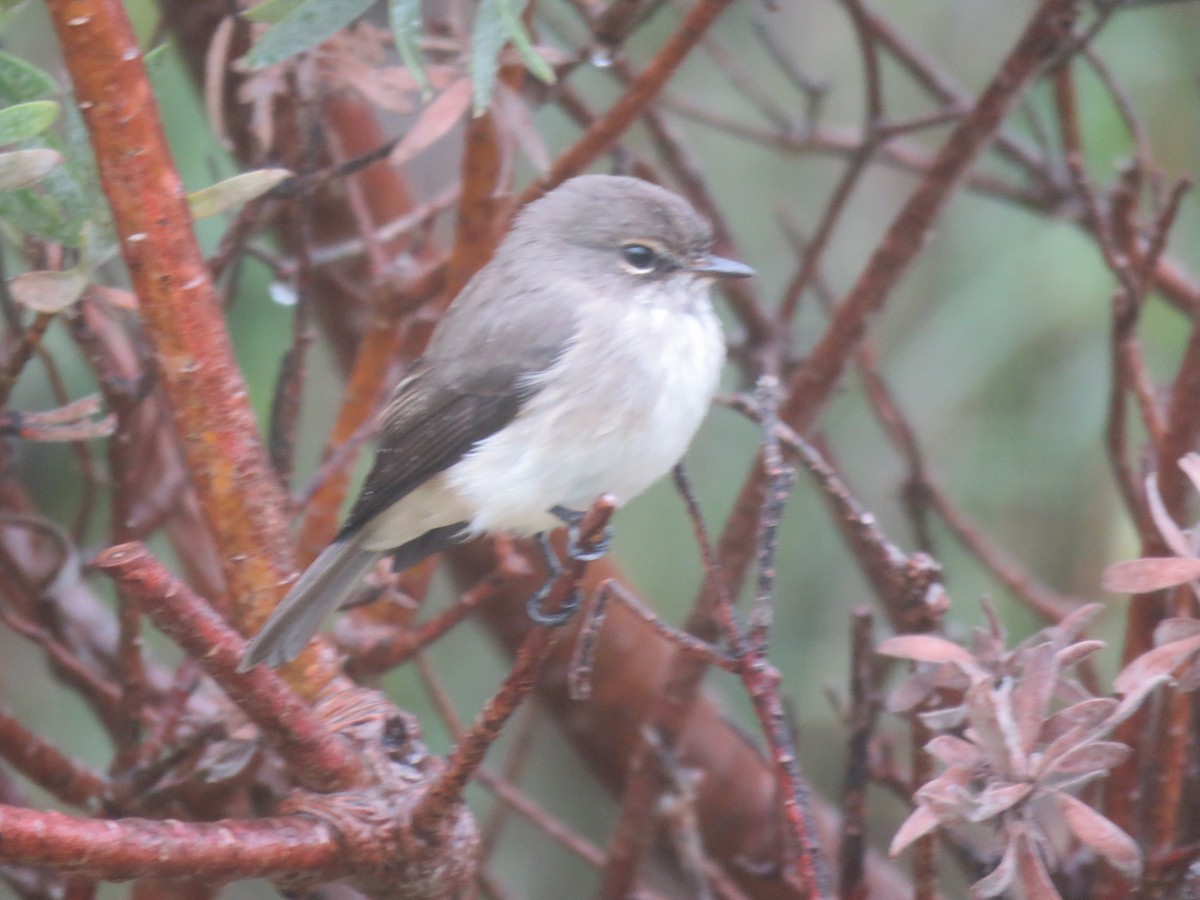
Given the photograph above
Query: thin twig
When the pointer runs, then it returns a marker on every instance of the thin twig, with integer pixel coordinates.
(445, 794)
(864, 710)
(317, 758)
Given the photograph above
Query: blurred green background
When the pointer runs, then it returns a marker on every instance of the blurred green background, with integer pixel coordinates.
(996, 346)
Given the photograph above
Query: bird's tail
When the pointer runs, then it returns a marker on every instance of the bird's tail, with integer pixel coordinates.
(321, 589)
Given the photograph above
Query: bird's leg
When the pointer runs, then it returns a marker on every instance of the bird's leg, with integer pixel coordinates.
(555, 567)
(571, 518)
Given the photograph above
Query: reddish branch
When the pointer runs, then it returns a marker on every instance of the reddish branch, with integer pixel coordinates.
(737, 802)
(19, 357)
(46, 766)
(861, 716)
(385, 196)
(905, 237)
(814, 381)
(121, 849)
(532, 656)
(1150, 785)
(396, 645)
(180, 310)
(482, 201)
(676, 702)
(365, 390)
(316, 758)
(606, 130)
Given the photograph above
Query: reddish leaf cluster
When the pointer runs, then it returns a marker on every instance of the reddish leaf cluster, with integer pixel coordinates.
(1020, 735)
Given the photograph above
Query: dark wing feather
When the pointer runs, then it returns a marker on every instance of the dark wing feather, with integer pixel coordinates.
(427, 428)
(473, 381)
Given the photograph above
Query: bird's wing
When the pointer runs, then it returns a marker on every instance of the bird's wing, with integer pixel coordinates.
(428, 427)
(467, 388)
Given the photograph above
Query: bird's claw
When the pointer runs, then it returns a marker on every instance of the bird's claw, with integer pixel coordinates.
(596, 549)
(555, 567)
(554, 619)
(575, 547)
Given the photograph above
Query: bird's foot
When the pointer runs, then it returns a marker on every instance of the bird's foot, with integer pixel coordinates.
(575, 549)
(553, 619)
(555, 567)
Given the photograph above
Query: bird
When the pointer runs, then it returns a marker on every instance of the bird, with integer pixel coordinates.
(580, 360)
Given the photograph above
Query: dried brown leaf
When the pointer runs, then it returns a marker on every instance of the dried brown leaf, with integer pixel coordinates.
(80, 430)
(1034, 688)
(71, 412)
(997, 798)
(391, 88)
(1074, 624)
(954, 751)
(260, 90)
(997, 882)
(1074, 654)
(1190, 464)
(118, 298)
(1170, 630)
(928, 648)
(1084, 718)
(911, 692)
(1141, 576)
(945, 718)
(1035, 880)
(48, 291)
(1101, 835)
(445, 111)
(1155, 666)
(1171, 533)
(989, 710)
(947, 795)
(1094, 756)
(920, 823)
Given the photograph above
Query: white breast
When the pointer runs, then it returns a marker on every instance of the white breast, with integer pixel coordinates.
(613, 415)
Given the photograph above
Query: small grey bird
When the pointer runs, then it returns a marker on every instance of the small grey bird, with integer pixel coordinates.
(580, 360)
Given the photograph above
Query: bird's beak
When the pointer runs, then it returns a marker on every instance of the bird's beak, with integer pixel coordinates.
(717, 265)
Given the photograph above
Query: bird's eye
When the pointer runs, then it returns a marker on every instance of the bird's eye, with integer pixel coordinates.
(640, 258)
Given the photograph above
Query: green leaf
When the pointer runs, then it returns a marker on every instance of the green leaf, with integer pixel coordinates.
(26, 120)
(488, 36)
(157, 57)
(20, 81)
(30, 213)
(405, 18)
(48, 291)
(234, 191)
(66, 199)
(304, 27)
(269, 12)
(497, 22)
(511, 12)
(19, 168)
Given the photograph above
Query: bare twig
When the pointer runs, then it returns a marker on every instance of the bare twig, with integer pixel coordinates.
(317, 758)
(864, 710)
(445, 794)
